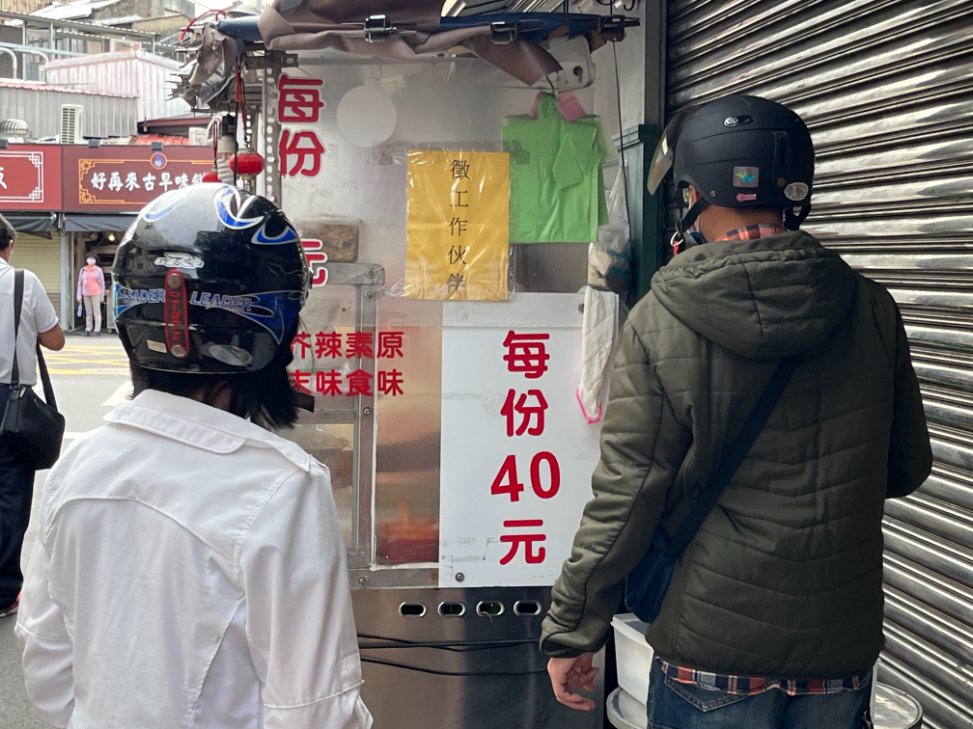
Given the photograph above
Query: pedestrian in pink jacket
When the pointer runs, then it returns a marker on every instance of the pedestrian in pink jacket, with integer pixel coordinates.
(91, 290)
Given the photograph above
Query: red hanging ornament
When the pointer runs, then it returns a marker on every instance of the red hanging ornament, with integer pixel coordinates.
(246, 163)
(211, 176)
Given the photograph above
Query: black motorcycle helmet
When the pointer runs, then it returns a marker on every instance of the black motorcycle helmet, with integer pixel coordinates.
(738, 152)
(209, 279)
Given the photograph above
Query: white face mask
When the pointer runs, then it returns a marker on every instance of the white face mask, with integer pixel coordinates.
(91, 261)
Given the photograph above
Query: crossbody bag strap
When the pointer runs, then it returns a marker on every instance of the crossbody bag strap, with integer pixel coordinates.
(18, 304)
(15, 371)
(46, 379)
(734, 457)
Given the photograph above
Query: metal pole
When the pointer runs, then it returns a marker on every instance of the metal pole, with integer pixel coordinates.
(67, 276)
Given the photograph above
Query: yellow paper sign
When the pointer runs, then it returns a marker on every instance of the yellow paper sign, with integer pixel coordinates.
(457, 239)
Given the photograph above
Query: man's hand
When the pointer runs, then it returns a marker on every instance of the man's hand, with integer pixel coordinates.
(568, 675)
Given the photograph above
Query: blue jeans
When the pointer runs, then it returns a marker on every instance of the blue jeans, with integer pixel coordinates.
(16, 493)
(673, 705)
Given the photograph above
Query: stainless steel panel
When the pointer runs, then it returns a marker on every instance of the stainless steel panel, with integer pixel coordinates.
(724, 47)
(950, 228)
(956, 338)
(958, 415)
(939, 710)
(465, 671)
(950, 486)
(929, 587)
(943, 374)
(930, 551)
(951, 678)
(549, 268)
(934, 517)
(916, 617)
(946, 450)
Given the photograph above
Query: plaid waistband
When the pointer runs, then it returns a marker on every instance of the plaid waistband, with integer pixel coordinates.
(753, 685)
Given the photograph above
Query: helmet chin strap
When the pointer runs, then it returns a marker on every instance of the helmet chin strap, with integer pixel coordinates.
(685, 237)
(792, 220)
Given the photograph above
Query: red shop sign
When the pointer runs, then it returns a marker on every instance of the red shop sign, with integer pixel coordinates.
(30, 177)
(125, 178)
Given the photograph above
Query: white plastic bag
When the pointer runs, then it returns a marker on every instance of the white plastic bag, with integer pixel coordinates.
(610, 257)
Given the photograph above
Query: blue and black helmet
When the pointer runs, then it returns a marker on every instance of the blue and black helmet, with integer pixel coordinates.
(209, 279)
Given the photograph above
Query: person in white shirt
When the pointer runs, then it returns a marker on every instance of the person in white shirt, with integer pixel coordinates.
(190, 569)
(38, 324)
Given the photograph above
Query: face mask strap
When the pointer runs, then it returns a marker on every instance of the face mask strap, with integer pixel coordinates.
(792, 220)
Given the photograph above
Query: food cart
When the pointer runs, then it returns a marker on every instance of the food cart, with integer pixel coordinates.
(447, 191)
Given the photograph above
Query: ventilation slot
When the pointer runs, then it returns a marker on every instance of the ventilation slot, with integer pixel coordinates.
(412, 610)
(489, 609)
(527, 607)
(452, 609)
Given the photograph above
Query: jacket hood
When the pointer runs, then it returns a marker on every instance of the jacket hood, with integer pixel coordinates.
(762, 299)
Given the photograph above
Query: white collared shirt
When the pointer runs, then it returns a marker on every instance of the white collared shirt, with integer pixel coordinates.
(189, 572)
(36, 315)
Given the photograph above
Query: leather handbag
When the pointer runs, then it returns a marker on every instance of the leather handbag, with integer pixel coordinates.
(647, 583)
(33, 425)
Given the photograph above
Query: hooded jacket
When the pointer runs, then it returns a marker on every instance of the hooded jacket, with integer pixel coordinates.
(784, 577)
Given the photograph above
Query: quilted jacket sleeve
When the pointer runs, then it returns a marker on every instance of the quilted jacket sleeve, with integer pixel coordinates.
(642, 448)
(910, 457)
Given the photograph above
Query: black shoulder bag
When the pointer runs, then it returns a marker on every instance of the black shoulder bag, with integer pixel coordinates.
(646, 584)
(35, 426)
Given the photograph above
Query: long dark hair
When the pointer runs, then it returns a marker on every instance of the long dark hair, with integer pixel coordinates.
(265, 396)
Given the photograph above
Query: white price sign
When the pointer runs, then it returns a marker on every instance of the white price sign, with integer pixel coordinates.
(517, 454)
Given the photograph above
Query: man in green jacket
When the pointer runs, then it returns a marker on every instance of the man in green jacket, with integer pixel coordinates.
(773, 617)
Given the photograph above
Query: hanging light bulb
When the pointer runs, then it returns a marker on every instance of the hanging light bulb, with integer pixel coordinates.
(226, 143)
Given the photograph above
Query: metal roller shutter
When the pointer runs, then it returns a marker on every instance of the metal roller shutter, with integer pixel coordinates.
(887, 89)
(43, 257)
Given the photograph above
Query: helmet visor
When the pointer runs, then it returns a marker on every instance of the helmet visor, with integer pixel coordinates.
(665, 151)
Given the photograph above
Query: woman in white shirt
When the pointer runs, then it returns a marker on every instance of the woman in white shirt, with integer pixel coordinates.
(190, 570)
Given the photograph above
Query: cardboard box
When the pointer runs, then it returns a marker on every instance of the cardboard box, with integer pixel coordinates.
(340, 237)
(633, 656)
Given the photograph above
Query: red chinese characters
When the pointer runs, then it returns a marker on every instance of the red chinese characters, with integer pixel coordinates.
(300, 99)
(524, 413)
(300, 153)
(317, 260)
(339, 382)
(327, 345)
(533, 554)
(526, 353)
(300, 102)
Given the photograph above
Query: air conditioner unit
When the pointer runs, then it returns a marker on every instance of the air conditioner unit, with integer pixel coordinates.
(197, 135)
(72, 123)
